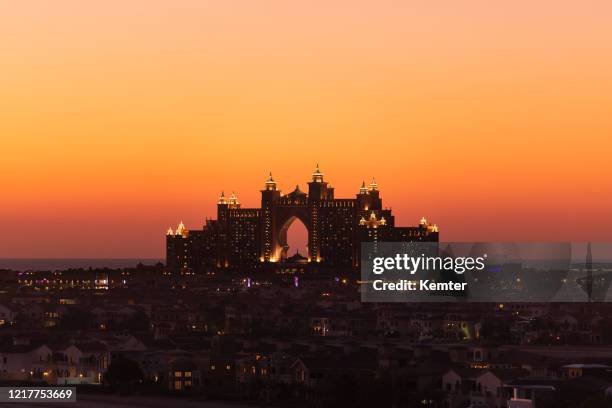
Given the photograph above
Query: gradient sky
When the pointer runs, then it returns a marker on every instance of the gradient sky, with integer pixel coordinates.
(120, 118)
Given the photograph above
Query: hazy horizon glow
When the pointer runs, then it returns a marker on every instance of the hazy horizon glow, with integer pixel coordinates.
(119, 119)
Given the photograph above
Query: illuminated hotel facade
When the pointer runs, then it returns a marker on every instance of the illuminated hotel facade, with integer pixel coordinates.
(245, 238)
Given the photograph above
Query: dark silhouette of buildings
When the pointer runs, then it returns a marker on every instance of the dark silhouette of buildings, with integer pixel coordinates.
(255, 237)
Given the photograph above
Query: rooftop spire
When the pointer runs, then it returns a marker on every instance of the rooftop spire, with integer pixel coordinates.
(270, 183)
(233, 200)
(317, 176)
(373, 185)
(181, 230)
(363, 189)
(222, 199)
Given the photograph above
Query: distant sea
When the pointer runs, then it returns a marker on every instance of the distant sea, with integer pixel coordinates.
(53, 264)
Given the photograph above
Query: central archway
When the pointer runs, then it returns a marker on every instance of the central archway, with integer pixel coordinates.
(297, 241)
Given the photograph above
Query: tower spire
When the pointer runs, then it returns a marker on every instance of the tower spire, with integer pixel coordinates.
(222, 198)
(373, 185)
(233, 200)
(317, 175)
(363, 189)
(270, 183)
(181, 230)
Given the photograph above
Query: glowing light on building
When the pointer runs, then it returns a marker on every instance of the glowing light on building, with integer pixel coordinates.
(317, 176)
(181, 230)
(222, 199)
(233, 200)
(270, 183)
(373, 185)
(363, 189)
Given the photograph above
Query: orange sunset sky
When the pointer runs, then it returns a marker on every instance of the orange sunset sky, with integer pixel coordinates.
(120, 118)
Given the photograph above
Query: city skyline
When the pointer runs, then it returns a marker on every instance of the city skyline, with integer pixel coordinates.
(245, 238)
(117, 120)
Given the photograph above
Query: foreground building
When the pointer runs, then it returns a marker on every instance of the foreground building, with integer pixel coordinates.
(255, 237)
